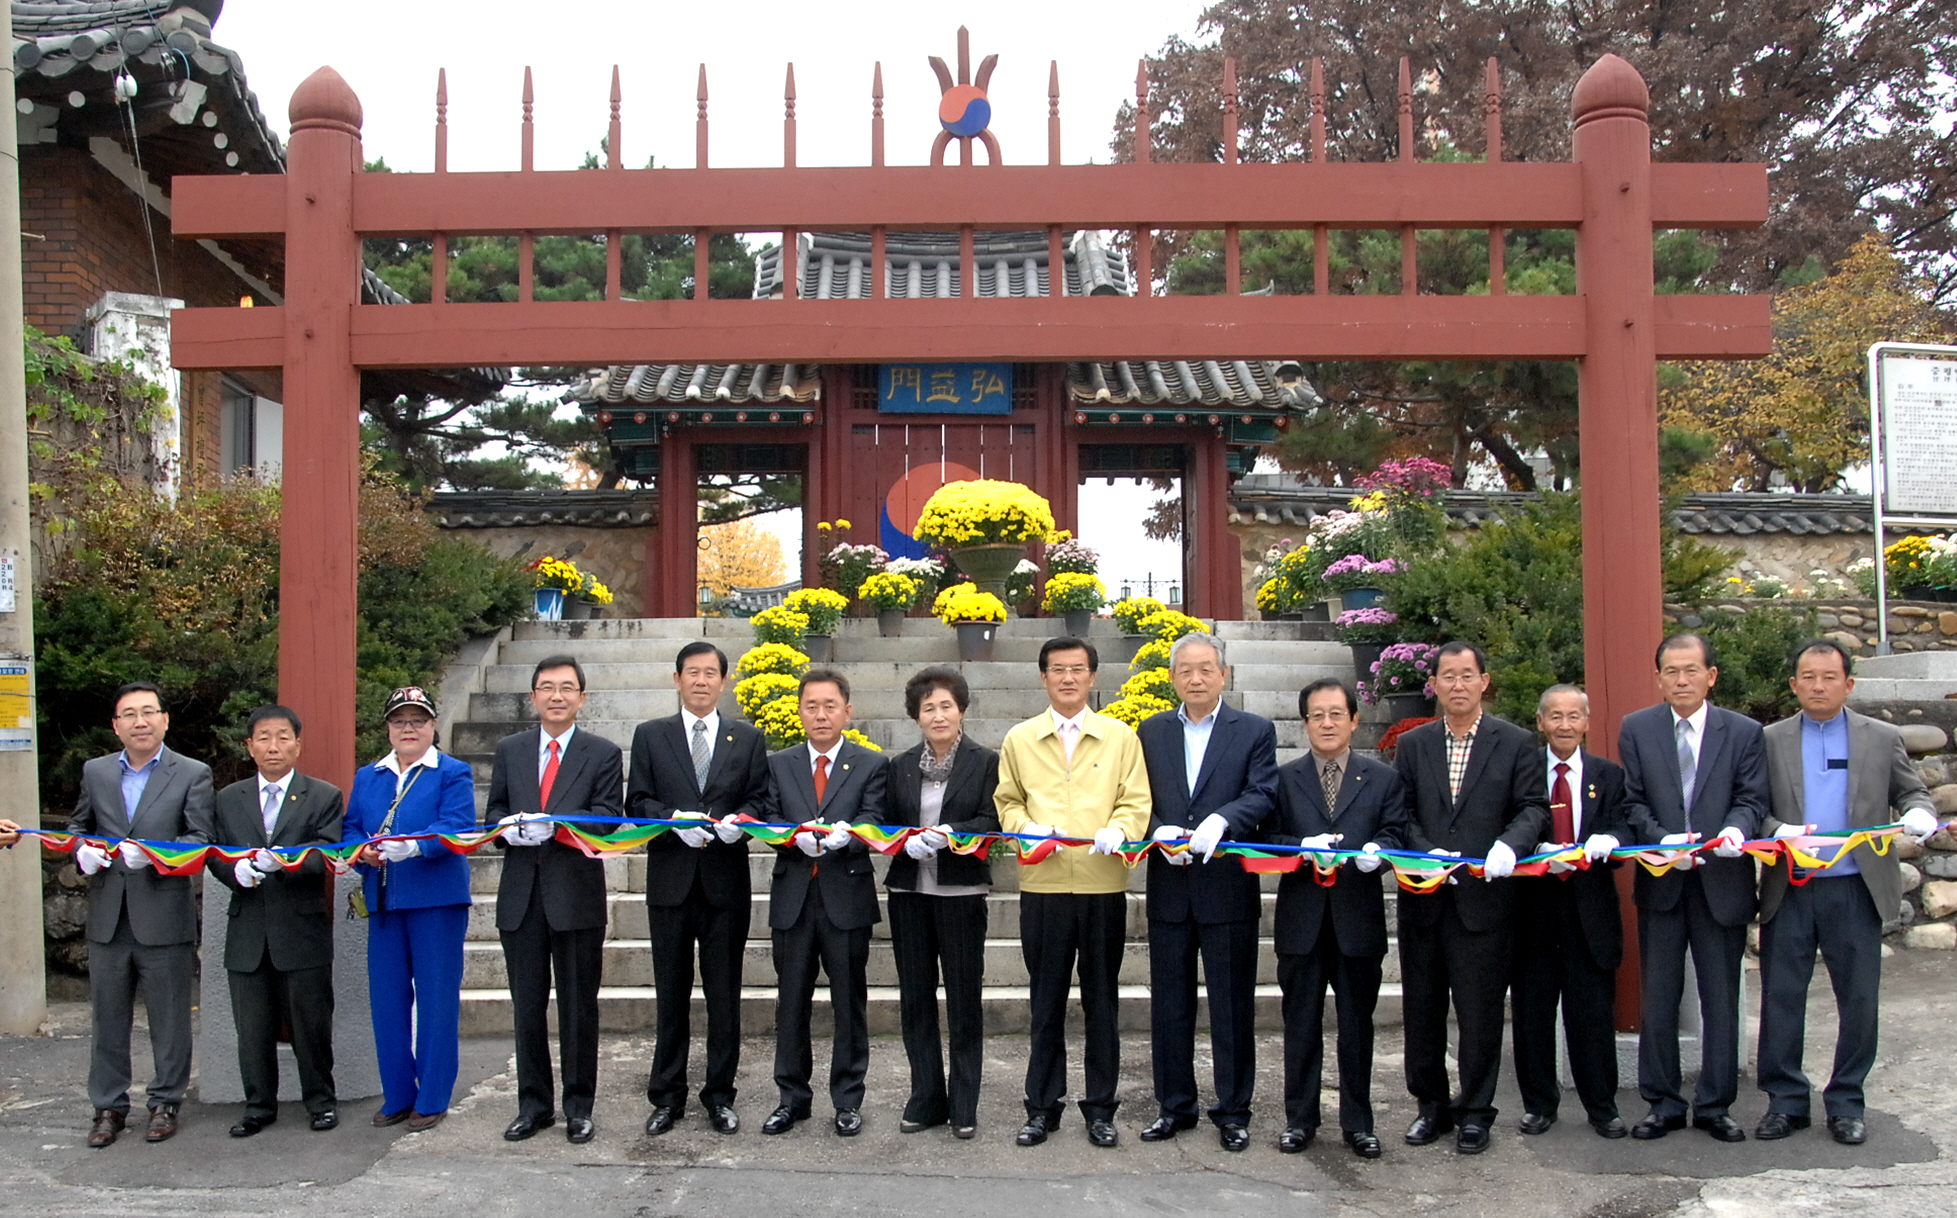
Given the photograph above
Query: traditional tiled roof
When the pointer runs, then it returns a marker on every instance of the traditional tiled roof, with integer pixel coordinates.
(1277, 499)
(664, 383)
(617, 509)
(194, 110)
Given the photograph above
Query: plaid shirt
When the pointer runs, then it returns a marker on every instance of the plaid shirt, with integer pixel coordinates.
(1458, 748)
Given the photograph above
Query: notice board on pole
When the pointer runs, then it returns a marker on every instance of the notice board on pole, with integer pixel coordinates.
(1918, 436)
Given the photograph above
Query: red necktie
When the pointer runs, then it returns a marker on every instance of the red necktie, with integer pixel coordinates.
(1562, 822)
(821, 778)
(550, 776)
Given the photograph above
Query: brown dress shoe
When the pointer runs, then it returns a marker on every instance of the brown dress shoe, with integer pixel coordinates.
(425, 1120)
(162, 1124)
(108, 1123)
(383, 1118)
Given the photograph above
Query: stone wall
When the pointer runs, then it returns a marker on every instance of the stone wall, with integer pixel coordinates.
(616, 556)
(1929, 913)
(1913, 625)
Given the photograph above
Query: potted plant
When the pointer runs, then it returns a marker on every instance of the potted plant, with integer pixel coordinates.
(891, 595)
(1401, 678)
(975, 615)
(844, 566)
(1128, 615)
(1367, 632)
(824, 609)
(929, 574)
(985, 525)
(1908, 560)
(553, 579)
(588, 601)
(1940, 568)
(780, 624)
(1357, 579)
(1066, 555)
(1075, 596)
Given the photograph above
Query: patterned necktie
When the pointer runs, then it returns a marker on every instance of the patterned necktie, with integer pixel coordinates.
(821, 779)
(550, 777)
(1329, 778)
(1688, 766)
(702, 756)
(1561, 815)
(271, 813)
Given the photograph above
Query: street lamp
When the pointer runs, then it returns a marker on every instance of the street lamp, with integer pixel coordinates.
(1175, 593)
(706, 598)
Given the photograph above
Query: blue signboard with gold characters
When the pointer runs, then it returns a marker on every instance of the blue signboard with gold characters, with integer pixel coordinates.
(945, 388)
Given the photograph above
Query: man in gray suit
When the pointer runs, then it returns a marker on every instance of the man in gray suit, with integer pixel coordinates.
(142, 926)
(278, 951)
(1831, 770)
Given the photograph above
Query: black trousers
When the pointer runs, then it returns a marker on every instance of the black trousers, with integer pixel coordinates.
(845, 956)
(534, 953)
(720, 936)
(929, 934)
(168, 977)
(1717, 953)
(1229, 953)
(1552, 963)
(1055, 928)
(1445, 960)
(1355, 986)
(1836, 915)
(260, 999)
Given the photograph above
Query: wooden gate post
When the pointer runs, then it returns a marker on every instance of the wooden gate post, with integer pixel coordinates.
(1617, 396)
(674, 589)
(320, 497)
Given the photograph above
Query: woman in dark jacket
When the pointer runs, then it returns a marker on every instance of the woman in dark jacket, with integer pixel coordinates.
(937, 900)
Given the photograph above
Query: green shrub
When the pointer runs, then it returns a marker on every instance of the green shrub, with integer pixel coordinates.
(1755, 651)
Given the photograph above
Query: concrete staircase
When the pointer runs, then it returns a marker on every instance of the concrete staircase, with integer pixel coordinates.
(628, 665)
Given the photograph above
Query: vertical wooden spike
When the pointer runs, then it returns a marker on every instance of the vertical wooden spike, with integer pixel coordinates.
(526, 245)
(964, 56)
(441, 120)
(1230, 110)
(1492, 116)
(1321, 238)
(1053, 112)
(1317, 109)
(876, 131)
(1142, 121)
(529, 126)
(700, 123)
(613, 157)
(1406, 110)
(791, 272)
(788, 121)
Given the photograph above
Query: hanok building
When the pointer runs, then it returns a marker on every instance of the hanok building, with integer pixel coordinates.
(872, 442)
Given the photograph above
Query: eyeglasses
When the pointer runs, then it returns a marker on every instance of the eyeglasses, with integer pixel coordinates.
(1327, 716)
(1458, 678)
(564, 687)
(410, 723)
(1069, 670)
(138, 714)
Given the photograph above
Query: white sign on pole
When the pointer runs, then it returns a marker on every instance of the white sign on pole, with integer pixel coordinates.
(1919, 435)
(8, 598)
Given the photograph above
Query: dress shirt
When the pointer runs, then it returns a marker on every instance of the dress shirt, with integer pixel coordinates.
(1343, 761)
(930, 811)
(831, 755)
(1070, 730)
(431, 760)
(1458, 749)
(1196, 741)
(135, 779)
(712, 720)
(1697, 740)
(1824, 790)
(1575, 762)
(284, 787)
(543, 748)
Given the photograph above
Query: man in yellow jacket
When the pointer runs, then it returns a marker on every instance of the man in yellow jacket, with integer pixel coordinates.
(1072, 773)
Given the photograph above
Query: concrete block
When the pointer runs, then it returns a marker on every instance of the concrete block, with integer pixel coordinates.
(1934, 936)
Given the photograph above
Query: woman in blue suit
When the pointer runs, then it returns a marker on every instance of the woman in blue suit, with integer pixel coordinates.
(417, 900)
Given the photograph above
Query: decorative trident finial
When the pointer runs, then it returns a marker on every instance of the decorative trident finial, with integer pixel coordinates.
(963, 109)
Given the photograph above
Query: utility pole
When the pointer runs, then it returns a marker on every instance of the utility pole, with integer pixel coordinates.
(23, 947)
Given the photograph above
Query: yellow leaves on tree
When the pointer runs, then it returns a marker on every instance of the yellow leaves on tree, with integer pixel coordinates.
(1802, 412)
(740, 554)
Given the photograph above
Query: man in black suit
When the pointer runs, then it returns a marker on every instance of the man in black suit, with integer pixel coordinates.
(278, 947)
(1831, 771)
(1477, 790)
(142, 926)
(1692, 772)
(1333, 935)
(1569, 936)
(550, 902)
(688, 765)
(823, 901)
(1212, 773)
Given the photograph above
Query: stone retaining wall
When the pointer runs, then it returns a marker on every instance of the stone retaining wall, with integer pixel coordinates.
(1913, 625)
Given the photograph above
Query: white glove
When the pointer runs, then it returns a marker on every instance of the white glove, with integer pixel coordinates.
(537, 830)
(695, 838)
(247, 875)
(810, 843)
(266, 862)
(132, 855)
(1689, 861)
(91, 859)
(1787, 831)
(1500, 863)
(920, 847)
(1452, 877)
(1032, 830)
(1170, 833)
(1556, 866)
(1729, 842)
(1919, 823)
(1106, 841)
(1324, 841)
(729, 829)
(837, 837)
(396, 850)
(1207, 835)
(1369, 859)
(1598, 848)
(512, 826)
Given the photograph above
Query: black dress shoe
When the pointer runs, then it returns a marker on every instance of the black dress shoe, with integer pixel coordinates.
(1533, 1123)
(1427, 1130)
(1295, 1140)
(849, 1122)
(661, 1120)
(1165, 1127)
(1723, 1128)
(1655, 1126)
(1613, 1128)
(909, 1126)
(1233, 1138)
(723, 1119)
(964, 1133)
(1472, 1140)
(1034, 1131)
(323, 1121)
(1363, 1143)
(1103, 1133)
(782, 1119)
(1777, 1125)
(1849, 1131)
(579, 1130)
(250, 1125)
(527, 1127)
